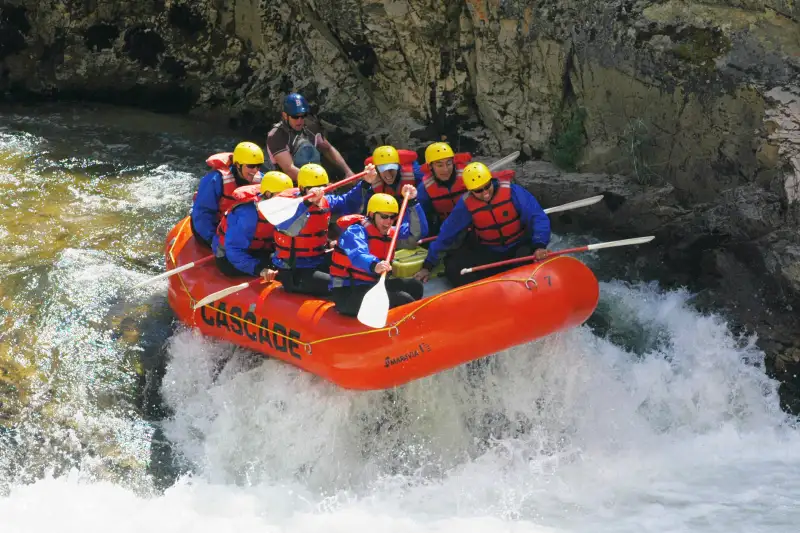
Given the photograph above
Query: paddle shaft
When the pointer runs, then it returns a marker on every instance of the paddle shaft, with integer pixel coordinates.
(397, 228)
(338, 184)
(597, 246)
(174, 271)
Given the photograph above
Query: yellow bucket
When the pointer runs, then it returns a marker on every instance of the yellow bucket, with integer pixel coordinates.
(406, 263)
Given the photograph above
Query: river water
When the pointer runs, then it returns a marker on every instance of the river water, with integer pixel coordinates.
(114, 417)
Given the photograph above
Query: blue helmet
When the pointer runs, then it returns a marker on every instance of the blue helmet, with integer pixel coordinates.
(294, 104)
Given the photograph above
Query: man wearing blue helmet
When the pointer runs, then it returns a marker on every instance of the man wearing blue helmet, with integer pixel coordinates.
(297, 140)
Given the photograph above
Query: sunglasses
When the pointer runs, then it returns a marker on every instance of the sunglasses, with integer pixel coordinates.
(252, 166)
(295, 117)
(387, 216)
(482, 189)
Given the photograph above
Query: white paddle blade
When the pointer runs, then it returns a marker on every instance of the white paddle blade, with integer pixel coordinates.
(166, 274)
(279, 208)
(213, 297)
(626, 242)
(574, 205)
(375, 305)
(510, 158)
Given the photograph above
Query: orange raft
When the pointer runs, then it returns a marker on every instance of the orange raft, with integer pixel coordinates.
(422, 338)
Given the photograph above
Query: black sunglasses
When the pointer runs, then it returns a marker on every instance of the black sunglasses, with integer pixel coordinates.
(387, 216)
(482, 189)
(252, 166)
(298, 116)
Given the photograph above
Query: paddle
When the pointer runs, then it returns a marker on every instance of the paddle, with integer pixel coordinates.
(169, 273)
(281, 208)
(214, 296)
(375, 305)
(598, 246)
(564, 207)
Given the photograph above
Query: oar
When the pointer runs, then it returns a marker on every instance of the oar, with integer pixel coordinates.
(598, 246)
(174, 271)
(375, 305)
(510, 158)
(564, 207)
(214, 296)
(281, 208)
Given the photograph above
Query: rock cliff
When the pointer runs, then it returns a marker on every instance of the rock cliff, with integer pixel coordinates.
(686, 113)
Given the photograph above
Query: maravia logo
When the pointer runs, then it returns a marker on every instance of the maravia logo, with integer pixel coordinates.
(411, 354)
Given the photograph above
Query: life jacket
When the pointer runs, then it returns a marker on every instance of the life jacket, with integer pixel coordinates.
(263, 239)
(405, 175)
(312, 240)
(222, 162)
(342, 267)
(442, 198)
(496, 223)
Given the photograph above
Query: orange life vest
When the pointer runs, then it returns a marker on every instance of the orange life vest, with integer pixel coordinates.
(442, 198)
(342, 267)
(264, 235)
(405, 175)
(312, 240)
(496, 223)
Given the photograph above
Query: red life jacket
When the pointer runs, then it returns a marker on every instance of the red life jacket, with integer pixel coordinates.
(496, 223)
(264, 235)
(442, 198)
(223, 162)
(405, 175)
(342, 267)
(312, 240)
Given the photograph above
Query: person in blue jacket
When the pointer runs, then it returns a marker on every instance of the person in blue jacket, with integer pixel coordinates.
(507, 222)
(301, 242)
(360, 256)
(215, 193)
(245, 239)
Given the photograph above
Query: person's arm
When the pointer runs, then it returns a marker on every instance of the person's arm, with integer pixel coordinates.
(417, 173)
(355, 245)
(352, 202)
(206, 205)
(328, 150)
(455, 223)
(533, 216)
(285, 163)
(413, 228)
(241, 229)
(278, 148)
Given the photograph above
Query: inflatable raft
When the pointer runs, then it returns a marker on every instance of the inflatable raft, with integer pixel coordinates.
(441, 331)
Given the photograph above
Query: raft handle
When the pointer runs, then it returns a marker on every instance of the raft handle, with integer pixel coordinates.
(529, 281)
(394, 329)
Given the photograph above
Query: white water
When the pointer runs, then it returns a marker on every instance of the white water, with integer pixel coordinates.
(569, 434)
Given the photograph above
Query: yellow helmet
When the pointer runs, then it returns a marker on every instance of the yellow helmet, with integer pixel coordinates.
(248, 153)
(476, 175)
(438, 151)
(386, 158)
(382, 203)
(312, 175)
(275, 182)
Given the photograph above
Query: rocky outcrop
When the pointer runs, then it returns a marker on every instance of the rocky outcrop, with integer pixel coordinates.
(686, 112)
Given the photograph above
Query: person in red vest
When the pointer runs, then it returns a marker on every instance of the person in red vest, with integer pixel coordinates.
(245, 239)
(302, 240)
(215, 193)
(442, 184)
(507, 222)
(359, 257)
(396, 168)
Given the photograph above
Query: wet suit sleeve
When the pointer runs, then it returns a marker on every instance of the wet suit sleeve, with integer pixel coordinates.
(533, 216)
(355, 245)
(206, 205)
(455, 223)
(241, 230)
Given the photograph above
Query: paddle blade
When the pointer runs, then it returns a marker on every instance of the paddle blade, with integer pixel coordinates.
(510, 158)
(221, 294)
(574, 205)
(375, 306)
(626, 242)
(279, 209)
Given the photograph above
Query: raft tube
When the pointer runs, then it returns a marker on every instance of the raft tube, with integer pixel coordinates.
(422, 338)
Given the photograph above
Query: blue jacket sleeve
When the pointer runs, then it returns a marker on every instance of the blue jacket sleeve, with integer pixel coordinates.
(241, 229)
(423, 198)
(351, 202)
(206, 205)
(533, 216)
(454, 224)
(417, 173)
(355, 245)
